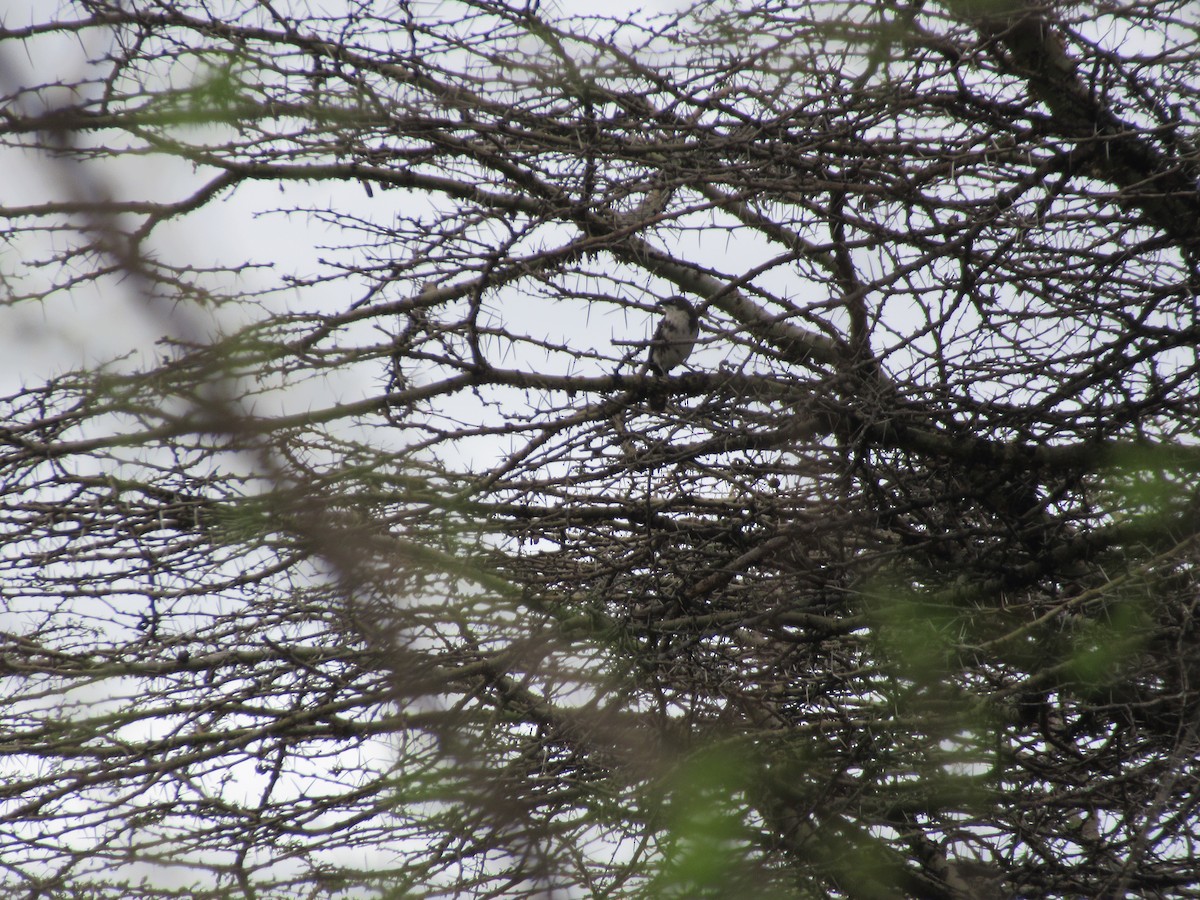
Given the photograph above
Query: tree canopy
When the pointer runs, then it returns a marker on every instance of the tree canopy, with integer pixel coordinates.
(346, 555)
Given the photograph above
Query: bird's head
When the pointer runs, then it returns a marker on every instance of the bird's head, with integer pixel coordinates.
(675, 302)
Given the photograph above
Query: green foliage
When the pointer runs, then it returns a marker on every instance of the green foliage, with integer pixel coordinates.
(705, 838)
(1103, 645)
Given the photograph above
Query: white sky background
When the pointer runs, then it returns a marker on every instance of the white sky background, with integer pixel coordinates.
(90, 325)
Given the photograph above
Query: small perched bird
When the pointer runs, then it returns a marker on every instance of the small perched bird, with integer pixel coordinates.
(675, 336)
(673, 339)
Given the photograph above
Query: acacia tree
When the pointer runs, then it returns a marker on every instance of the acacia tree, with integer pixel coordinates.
(379, 574)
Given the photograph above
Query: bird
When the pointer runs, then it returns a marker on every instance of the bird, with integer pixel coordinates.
(673, 339)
